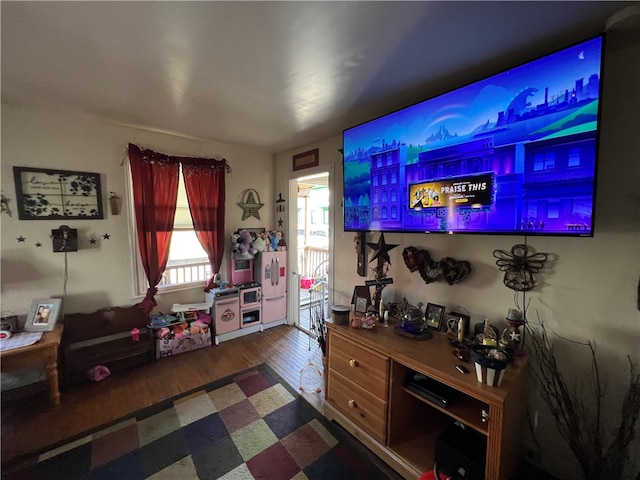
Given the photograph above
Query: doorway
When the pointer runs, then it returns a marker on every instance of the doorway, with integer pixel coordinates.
(310, 220)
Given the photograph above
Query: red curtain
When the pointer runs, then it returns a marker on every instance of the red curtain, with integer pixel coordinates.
(155, 193)
(204, 182)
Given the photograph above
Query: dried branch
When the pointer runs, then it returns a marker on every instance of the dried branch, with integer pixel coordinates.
(578, 421)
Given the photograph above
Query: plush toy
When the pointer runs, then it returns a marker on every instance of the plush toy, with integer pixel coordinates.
(204, 317)
(273, 241)
(245, 244)
(282, 245)
(163, 332)
(235, 243)
(259, 244)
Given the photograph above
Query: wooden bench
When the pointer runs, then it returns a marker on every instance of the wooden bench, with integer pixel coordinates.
(104, 338)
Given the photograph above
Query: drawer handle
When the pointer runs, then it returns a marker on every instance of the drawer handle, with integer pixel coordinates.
(353, 363)
(352, 404)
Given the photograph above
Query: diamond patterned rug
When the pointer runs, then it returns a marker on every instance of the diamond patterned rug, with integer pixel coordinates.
(251, 425)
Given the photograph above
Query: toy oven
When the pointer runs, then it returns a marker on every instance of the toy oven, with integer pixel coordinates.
(250, 305)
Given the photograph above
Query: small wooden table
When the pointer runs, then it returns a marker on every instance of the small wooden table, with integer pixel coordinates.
(44, 352)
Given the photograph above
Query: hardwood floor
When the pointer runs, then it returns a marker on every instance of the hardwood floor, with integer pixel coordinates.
(31, 424)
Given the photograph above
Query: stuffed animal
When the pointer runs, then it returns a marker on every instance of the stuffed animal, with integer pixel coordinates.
(259, 244)
(245, 244)
(235, 243)
(282, 245)
(273, 241)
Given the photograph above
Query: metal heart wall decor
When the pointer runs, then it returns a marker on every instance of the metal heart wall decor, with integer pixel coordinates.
(448, 269)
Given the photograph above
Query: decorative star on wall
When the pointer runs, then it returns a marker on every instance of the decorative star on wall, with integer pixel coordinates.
(93, 241)
(38, 244)
(381, 249)
(250, 205)
(106, 236)
(280, 222)
(21, 239)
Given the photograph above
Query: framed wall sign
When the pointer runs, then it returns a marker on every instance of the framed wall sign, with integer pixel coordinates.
(306, 160)
(43, 194)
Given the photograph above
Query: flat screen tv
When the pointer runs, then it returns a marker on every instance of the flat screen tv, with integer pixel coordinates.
(512, 154)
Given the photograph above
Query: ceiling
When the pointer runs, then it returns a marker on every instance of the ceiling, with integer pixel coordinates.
(270, 75)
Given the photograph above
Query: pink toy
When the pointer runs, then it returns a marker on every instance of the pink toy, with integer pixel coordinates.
(163, 332)
(135, 334)
(98, 373)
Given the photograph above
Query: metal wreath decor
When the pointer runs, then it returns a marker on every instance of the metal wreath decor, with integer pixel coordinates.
(519, 267)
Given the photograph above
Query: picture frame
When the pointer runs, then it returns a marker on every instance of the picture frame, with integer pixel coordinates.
(453, 319)
(306, 160)
(43, 315)
(361, 305)
(433, 316)
(361, 298)
(45, 194)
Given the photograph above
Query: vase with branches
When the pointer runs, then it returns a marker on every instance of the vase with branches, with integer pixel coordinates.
(601, 452)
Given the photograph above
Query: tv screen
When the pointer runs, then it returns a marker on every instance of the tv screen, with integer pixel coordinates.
(514, 153)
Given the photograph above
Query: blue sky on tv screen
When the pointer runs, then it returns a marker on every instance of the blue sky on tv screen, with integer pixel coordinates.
(463, 110)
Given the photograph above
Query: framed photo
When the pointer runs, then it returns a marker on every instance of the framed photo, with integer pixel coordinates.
(361, 298)
(361, 305)
(43, 194)
(453, 319)
(43, 315)
(306, 160)
(433, 316)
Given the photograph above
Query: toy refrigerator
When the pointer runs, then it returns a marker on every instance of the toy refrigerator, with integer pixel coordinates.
(271, 272)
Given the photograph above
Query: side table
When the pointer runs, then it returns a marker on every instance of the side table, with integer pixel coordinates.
(44, 352)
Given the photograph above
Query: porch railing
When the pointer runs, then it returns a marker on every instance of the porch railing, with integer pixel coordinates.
(194, 272)
(309, 258)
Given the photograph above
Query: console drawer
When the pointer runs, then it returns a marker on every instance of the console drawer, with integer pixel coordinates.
(358, 405)
(364, 367)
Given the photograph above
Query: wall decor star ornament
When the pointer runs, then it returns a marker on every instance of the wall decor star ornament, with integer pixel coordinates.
(38, 244)
(106, 236)
(250, 203)
(381, 249)
(21, 239)
(280, 222)
(93, 241)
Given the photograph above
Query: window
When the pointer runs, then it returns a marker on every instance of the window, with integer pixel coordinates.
(544, 162)
(538, 162)
(574, 158)
(188, 262)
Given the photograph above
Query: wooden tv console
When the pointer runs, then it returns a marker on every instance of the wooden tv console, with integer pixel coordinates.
(366, 394)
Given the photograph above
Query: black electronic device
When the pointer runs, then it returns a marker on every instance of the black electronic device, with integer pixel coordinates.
(515, 153)
(430, 389)
(461, 452)
(462, 369)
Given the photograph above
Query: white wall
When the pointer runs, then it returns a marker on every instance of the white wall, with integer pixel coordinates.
(589, 287)
(99, 275)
